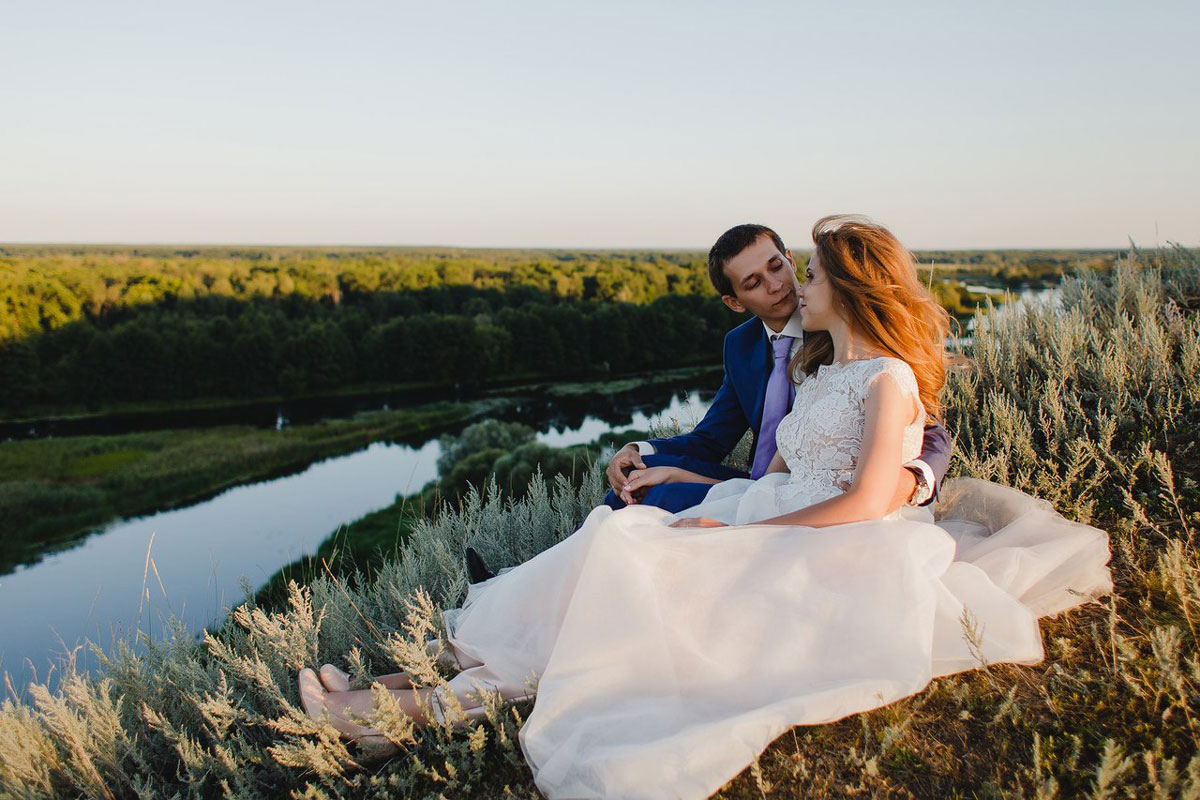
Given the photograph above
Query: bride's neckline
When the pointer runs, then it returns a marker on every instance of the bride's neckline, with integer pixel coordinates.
(849, 361)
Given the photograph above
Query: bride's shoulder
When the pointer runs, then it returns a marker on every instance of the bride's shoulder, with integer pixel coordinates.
(895, 368)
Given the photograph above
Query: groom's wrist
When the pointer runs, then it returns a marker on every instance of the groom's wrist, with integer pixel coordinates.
(925, 482)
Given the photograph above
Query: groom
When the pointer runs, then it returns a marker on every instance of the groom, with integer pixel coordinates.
(753, 271)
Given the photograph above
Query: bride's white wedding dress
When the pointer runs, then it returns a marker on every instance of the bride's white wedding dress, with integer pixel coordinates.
(667, 659)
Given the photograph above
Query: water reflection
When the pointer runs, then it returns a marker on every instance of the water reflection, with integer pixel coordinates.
(686, 409)
(548, 407)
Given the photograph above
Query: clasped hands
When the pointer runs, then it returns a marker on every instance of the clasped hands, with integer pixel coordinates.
(630, 479)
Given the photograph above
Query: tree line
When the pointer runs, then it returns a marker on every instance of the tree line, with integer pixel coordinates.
(95, 325)
(44, 287)
(224, 348)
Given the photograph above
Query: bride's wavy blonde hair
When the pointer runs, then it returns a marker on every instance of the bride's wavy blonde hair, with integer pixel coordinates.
(875, 286)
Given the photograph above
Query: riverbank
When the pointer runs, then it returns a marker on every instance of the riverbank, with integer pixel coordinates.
(286, 411)
(52, 491)
(356, 551)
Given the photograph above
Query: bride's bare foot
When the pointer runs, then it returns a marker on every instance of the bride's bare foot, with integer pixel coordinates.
(312, 693)
(336, 680)
(316, 702)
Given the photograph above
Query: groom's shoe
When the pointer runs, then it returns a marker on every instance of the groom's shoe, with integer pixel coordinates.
(476, 568)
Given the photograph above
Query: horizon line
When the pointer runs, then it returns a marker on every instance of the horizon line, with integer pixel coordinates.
(1130, 244)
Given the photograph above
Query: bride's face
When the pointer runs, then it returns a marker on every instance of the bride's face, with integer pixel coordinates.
(816, 298)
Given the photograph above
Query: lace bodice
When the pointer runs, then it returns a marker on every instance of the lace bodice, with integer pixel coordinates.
(821, 437)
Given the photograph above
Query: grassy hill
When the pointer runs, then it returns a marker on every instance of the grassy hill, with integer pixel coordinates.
(1092, 405)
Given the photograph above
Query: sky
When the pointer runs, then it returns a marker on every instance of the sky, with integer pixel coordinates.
(603, 124)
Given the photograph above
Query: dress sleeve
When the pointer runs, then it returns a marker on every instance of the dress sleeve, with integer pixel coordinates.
(902, 374)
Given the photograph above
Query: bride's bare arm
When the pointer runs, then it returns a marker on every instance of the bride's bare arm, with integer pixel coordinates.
(640, 479)
(873, 491)
(777, 464)
(685, 476)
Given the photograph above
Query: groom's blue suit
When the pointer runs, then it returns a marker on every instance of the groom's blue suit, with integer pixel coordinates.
(737, 407)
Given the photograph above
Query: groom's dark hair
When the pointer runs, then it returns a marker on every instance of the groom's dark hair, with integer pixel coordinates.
(731, 243)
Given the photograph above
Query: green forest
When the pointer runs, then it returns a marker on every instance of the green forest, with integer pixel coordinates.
(90, 327)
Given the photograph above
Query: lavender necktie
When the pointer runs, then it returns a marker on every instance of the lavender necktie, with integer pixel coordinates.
(775, 406)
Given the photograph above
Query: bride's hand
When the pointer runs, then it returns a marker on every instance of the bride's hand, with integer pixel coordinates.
(640, 480)
(697, 522)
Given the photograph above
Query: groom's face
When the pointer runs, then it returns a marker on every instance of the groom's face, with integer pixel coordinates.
(764, 282)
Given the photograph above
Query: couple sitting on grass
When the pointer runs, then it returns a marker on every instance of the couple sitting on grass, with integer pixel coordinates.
(702, 612)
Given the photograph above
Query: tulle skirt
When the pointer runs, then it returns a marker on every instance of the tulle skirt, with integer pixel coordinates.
(666, 660)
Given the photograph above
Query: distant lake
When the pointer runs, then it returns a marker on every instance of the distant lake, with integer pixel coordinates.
(1025, 298)
(191, 562)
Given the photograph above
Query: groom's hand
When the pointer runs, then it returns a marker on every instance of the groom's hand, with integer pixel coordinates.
(621, 464)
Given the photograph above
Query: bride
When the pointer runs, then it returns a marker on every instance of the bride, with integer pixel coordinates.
(668, 652)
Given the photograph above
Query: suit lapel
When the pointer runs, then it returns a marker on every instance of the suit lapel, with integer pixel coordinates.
(749, 368)
(761, 359)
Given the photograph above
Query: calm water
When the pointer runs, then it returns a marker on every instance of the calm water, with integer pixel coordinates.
(191, 562)
(1024, 299)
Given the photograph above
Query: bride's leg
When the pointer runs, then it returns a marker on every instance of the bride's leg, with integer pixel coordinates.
(344, 707)
(337, 680)
(466, 686)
